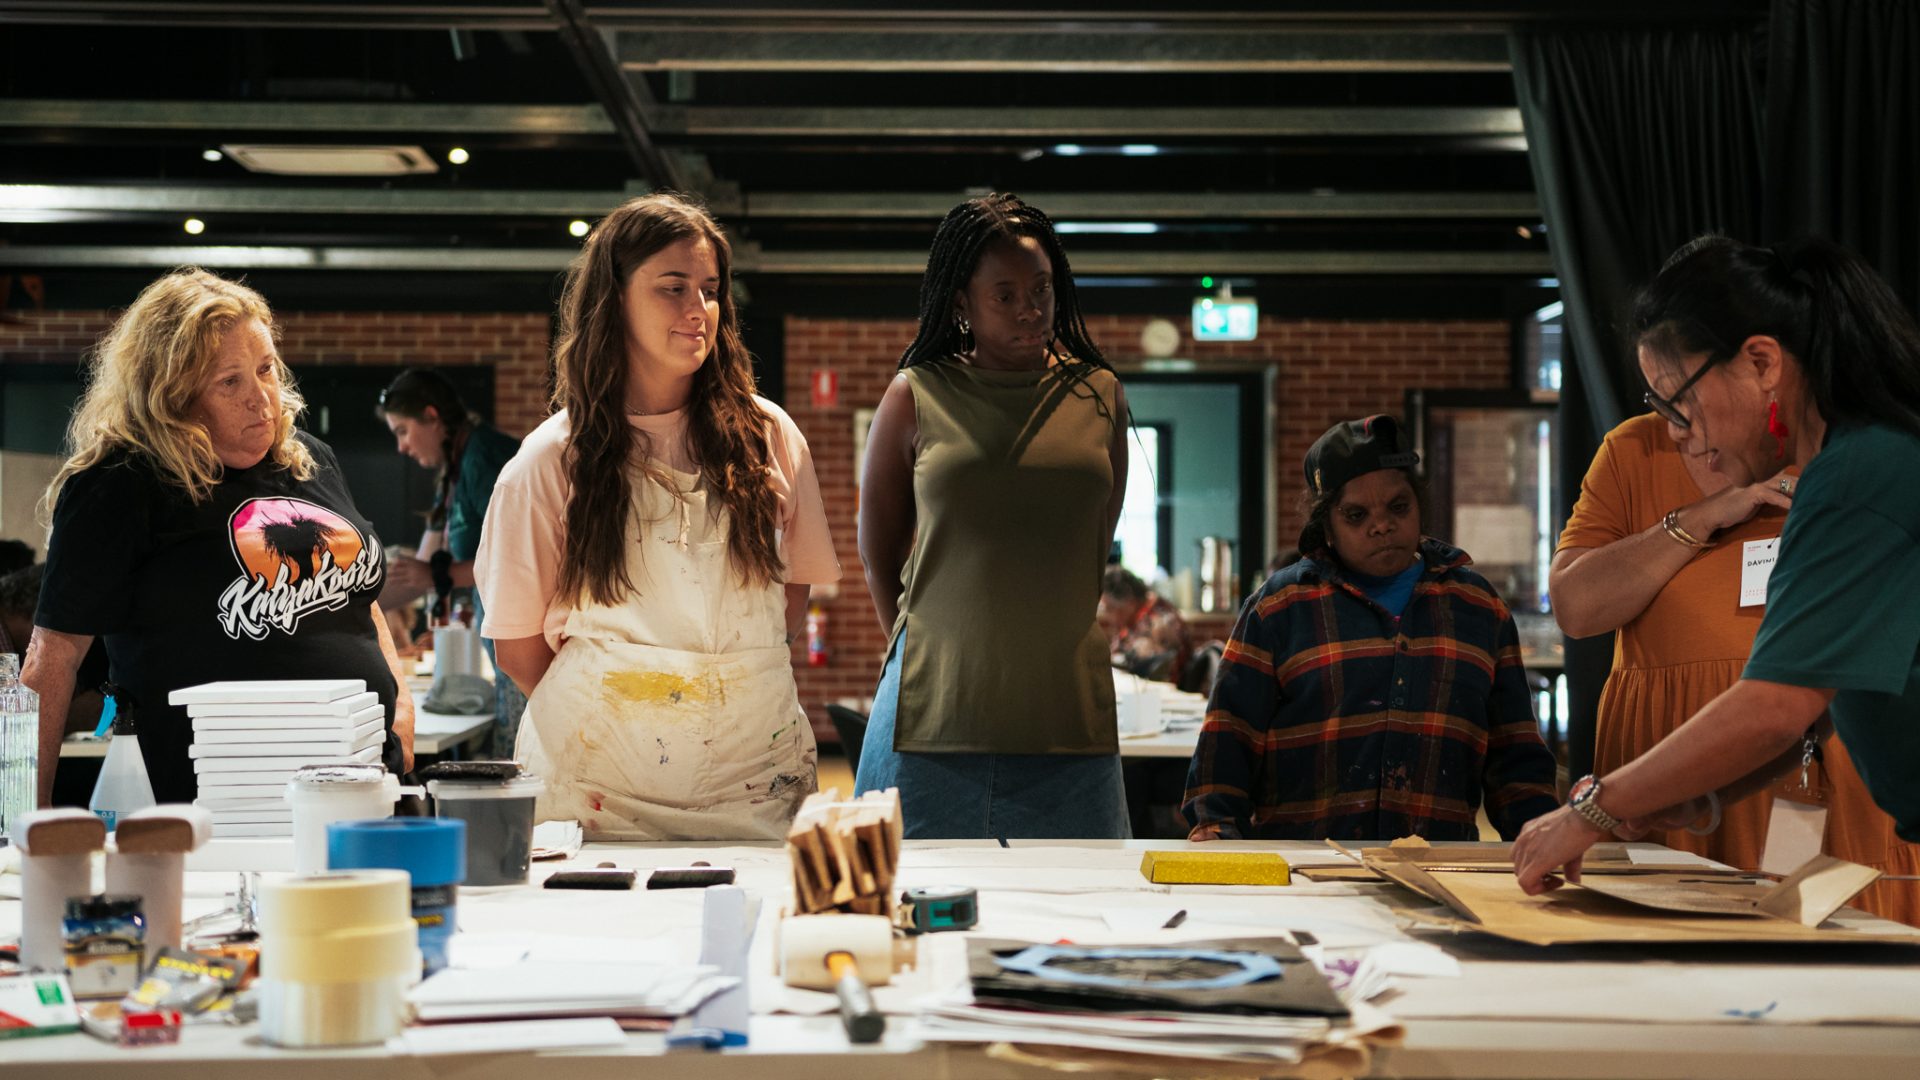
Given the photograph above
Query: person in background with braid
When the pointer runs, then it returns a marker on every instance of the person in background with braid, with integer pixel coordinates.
(995, 470)
(431, 425)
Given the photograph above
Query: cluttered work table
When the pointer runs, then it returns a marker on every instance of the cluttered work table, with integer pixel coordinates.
(1461, 1002)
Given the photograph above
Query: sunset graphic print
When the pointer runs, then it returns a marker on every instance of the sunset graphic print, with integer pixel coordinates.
(295, 558)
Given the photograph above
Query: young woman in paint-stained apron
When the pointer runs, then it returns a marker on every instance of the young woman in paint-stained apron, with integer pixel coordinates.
(648, 554)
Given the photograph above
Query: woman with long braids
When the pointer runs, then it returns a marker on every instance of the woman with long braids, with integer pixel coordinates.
(432, 425)
(647, 557)
(995, 471)
(1760, 359)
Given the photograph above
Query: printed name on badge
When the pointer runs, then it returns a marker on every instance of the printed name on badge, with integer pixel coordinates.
(1756, 566)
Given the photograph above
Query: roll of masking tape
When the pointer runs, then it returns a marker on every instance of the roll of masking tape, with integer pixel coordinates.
(337, 953)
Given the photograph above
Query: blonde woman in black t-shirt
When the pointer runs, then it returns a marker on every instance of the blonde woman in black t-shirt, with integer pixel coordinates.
(200, 534)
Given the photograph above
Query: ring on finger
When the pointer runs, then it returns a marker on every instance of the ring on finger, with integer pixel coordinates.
(1786, 485)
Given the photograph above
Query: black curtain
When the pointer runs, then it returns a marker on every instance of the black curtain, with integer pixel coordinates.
(1639, 141)
(1843, 130)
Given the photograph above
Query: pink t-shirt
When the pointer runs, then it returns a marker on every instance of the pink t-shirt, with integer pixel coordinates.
(517, 568)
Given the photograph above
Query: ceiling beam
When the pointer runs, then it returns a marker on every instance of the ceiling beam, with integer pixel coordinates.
(754, 260)
(35, 202)
(1113, 123)
(309, 117)
(556, 120)
(627, 102)
(1217, 48)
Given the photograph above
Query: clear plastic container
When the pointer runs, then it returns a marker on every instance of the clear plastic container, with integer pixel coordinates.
(499, 817)
(19, 746)
(123, 786)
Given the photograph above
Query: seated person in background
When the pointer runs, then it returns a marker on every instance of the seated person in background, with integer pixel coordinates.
(1373, 689)
(1145, 634)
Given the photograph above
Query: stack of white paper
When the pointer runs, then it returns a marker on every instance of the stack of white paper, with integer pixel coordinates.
(545, 989)
(250, 737)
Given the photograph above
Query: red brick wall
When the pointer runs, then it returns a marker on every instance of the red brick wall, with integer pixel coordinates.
(515, 343)
(1328, 371)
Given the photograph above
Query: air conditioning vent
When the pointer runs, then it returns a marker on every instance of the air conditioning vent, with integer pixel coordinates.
(323, 160)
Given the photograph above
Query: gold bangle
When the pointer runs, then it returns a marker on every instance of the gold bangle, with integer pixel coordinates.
(1671, 523)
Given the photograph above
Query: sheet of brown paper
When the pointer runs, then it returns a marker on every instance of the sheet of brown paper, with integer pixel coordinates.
(1494, 903)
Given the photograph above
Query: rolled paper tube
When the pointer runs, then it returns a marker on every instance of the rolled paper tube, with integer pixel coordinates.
(56, 865)
(149, 859)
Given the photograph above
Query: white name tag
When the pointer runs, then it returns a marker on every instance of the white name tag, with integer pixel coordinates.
(1756, 566)
(1794, 833)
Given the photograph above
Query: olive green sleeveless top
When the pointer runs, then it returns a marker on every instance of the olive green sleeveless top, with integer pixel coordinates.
(1010, 484)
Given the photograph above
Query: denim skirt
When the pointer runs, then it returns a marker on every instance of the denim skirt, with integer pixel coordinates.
(990, 796)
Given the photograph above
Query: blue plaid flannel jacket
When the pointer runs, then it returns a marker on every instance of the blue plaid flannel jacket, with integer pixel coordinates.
(1329, 720)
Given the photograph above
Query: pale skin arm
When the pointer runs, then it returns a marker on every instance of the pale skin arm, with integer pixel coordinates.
(797, 596)
(402, 700)
(525, 660)
(1596, 590)
(887, 511)
(1741, 739)
(53, 659)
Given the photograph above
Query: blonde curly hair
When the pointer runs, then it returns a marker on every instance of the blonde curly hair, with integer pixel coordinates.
(144, 375)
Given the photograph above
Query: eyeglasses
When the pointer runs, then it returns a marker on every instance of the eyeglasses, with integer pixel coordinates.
(1668, 408)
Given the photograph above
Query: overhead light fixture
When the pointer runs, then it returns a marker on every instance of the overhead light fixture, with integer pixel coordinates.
(1139, 149)
(1523, 232)
(323, 160)
(1032, 153)
(457, 155)
(212, 155)
(194, 226)
(1111, 228)
(1068, 149)
(578, 227)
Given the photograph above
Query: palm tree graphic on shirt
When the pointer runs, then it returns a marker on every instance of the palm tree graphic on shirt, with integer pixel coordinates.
(298, 542)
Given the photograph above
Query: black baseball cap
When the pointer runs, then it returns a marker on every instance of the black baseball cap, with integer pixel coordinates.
(1355, 448)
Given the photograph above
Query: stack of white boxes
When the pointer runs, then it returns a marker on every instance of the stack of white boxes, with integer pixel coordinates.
(250, 737)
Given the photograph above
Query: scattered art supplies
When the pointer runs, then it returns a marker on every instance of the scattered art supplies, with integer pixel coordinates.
(250, 738)
(1665, 906)
(1214, 868)
(37, 1004)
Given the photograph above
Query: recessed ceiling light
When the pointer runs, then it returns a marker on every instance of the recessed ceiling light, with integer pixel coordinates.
(457, 155)
(282, 159)
(578, 227)
(1139, 149)
(1523, 232)
(1068, 149)
(194, 226)
(212, 155)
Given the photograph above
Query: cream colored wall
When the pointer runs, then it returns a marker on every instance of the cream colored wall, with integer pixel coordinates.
(23, 478)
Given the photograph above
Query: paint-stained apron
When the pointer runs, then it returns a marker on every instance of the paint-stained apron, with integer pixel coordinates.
(673, 715)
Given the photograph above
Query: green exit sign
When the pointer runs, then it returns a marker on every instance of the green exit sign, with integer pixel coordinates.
(1225, 320)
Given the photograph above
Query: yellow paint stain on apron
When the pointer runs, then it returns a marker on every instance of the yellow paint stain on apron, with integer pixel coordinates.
(662, 688)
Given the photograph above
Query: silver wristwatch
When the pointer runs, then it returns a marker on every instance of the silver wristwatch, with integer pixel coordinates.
(1585, 801)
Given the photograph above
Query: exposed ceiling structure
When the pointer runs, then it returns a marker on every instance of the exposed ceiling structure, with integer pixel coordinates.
(1367, 142)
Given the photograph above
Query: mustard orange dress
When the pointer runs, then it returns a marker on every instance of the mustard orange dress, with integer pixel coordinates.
(1690, 645)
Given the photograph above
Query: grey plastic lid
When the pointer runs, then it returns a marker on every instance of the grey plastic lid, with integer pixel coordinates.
(520, 787)
(344, 775)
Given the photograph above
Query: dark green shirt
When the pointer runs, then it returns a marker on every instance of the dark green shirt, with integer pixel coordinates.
(488, 449)
(1843, 606)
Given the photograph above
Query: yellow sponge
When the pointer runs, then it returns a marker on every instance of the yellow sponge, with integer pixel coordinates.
(1214, 868)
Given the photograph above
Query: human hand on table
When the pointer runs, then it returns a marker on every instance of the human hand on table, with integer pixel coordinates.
(1551, 842)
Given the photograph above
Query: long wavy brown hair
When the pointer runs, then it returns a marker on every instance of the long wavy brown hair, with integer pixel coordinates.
(726, 429)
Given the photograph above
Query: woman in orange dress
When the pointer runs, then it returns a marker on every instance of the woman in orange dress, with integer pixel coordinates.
(1627, 561)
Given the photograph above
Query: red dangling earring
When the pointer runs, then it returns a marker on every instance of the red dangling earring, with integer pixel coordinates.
(1777, 428)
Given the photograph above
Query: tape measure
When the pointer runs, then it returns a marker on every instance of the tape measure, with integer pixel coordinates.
(931, 910)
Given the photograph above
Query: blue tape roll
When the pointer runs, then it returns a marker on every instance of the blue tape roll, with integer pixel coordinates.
(432, 850)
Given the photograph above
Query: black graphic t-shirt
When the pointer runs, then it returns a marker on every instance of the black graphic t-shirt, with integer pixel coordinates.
(269, 578)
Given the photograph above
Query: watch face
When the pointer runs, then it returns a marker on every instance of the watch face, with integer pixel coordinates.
(1580, 789)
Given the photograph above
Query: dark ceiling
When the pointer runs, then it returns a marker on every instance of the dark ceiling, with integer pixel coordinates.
(1353, 149)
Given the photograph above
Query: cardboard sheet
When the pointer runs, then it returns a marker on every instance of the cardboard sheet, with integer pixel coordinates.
(1493, 903)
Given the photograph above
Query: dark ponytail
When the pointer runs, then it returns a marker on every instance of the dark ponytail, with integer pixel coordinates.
(409, 395)
(1857, 345)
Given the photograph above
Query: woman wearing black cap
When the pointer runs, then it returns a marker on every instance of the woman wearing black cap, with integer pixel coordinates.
(1373, 689)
